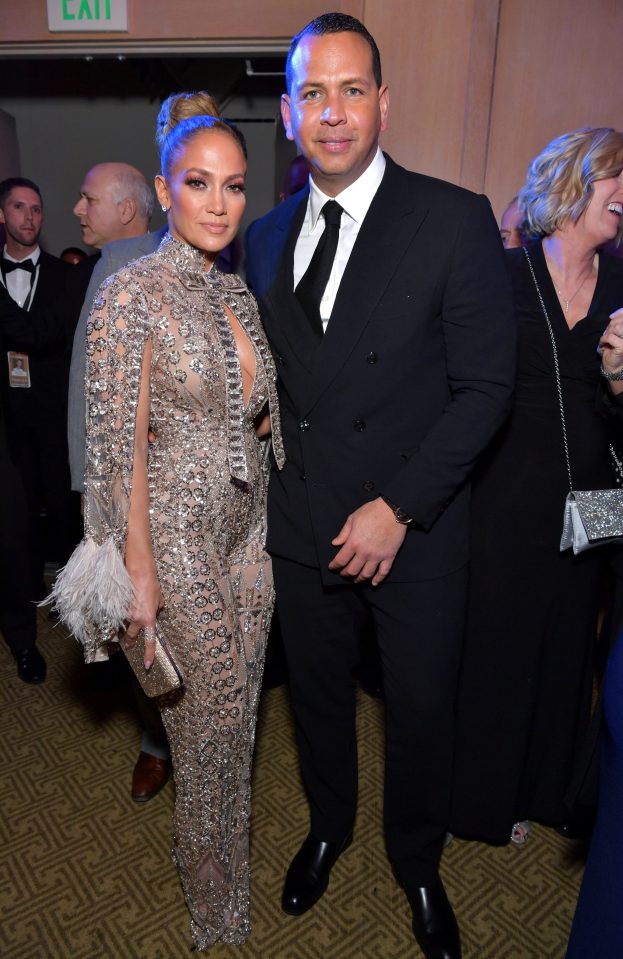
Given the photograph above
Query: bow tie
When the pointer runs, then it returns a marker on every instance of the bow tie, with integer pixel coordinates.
(8, 266)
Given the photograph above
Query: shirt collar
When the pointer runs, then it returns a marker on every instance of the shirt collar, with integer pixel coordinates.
(34, 256)
(356, 198)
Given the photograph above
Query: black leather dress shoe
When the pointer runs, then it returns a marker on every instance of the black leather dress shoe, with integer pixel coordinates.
(31, 667)
(308, 875)
(434, 924)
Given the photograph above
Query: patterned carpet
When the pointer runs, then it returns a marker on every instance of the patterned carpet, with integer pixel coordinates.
(85, 873)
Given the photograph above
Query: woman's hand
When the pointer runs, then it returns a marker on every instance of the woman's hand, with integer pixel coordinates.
(611, 349)
(147, 604)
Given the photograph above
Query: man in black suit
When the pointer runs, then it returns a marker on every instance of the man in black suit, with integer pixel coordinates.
(38, 330)
(394, 375)
(35, 381)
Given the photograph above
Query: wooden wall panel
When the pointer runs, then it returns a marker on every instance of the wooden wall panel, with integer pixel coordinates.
(26, 21)
(438, 60)
(558, 68)
(477, 87)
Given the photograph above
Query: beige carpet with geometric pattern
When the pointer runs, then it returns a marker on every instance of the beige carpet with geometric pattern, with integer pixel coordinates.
(85, 873)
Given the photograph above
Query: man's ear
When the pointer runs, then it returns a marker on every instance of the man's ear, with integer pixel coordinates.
(2, 220)
(384, 105)
(285, 115)
(127, 210)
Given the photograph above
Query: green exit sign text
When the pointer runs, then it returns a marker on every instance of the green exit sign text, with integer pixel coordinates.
(94, 15)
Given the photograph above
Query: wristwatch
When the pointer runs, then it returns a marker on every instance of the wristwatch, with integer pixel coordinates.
(401, 517)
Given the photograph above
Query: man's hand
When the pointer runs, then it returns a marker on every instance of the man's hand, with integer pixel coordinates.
(370, 539)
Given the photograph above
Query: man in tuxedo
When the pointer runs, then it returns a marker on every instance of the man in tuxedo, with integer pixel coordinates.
(385, 299)
(35, 383)
(38, 330)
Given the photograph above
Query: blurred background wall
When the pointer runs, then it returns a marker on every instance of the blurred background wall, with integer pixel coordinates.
(477, 87)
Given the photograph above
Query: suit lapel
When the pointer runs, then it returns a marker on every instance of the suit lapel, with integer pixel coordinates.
(385, 235)
(285, 310)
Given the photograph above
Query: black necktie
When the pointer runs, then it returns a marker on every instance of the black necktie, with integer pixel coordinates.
(8, 266)
(312, 285)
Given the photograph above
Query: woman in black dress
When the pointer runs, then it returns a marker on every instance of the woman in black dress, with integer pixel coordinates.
(525, 695)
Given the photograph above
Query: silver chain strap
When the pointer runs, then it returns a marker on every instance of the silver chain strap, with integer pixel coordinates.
(618, 465)
(557, 369)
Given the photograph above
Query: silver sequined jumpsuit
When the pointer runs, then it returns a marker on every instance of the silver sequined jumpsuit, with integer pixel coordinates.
(207, 481)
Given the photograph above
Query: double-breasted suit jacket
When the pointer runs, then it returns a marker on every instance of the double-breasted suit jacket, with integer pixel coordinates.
(410, 381)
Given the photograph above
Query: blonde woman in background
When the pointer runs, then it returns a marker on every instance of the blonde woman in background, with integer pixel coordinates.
(525, 694)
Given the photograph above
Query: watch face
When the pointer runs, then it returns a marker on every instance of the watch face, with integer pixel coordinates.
(399, 514)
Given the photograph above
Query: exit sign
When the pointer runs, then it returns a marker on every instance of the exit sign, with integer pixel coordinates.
(94, 15)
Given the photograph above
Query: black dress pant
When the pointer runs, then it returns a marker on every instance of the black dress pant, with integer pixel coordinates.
(419, 628)
(39, 443)
(18, 620)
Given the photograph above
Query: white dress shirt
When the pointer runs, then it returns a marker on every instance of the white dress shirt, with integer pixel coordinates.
(355, 200)
(18, 282)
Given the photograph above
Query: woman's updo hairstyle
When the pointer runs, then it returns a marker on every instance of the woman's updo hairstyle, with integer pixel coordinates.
(181, 117)
(559, 183)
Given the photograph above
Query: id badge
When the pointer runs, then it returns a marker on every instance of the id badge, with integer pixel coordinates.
(19, 370)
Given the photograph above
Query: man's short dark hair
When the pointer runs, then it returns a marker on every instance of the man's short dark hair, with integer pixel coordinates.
(11, 183)
(335, 23)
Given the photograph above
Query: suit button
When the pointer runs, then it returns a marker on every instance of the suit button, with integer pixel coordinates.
(368, 486)
(359, 425)
(372, 358)
(303, 477)
(280, 360)
(304, 425)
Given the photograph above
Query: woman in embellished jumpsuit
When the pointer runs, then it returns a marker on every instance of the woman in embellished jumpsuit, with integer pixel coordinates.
(176, 529)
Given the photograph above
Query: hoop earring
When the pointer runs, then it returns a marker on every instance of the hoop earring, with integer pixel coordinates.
(164, 208)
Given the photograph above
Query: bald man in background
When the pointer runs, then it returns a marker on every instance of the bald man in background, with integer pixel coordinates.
(114, 209)
(511, 224)
(116, 203)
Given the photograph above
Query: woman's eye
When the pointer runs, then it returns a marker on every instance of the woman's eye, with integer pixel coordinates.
(195, 183)
(237, 187)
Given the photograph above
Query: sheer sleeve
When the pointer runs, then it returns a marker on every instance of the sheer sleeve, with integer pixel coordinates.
(93, 593)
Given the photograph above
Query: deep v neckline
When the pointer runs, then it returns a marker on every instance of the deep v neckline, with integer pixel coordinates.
(190, 263)
(246, 402)
(551, 297)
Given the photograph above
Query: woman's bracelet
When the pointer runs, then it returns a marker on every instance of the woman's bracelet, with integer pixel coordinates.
(611, 376)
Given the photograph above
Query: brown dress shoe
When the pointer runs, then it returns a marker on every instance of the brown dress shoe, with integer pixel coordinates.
(149, 776)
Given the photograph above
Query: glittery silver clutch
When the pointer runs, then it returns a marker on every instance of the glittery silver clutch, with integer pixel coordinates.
(592, 518)
(164, 675)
